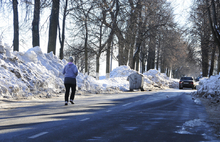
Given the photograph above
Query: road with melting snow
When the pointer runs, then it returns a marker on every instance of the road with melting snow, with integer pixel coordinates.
(157, 116)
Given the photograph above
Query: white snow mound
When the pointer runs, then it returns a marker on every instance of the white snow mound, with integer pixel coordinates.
(160, 79)
(209, 87)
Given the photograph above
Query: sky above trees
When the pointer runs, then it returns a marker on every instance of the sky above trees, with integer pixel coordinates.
(181, 10)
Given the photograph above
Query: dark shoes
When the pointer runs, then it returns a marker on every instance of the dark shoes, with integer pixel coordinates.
(71, 101)
(66, 103)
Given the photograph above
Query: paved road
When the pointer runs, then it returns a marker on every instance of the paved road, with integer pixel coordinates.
(163, 116)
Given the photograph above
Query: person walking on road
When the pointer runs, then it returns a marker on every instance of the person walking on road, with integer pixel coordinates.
(70, 71)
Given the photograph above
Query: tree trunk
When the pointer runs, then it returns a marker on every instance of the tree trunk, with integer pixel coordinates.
(108, 52)
(97, 66)
(35, 24)
(144, 55)
(136, 55)
(16, 26)
(158, 54)
(63, 30)
(167, 71)
(139, 39)
(86, 50)
(137, 61)
(130, 42)
(122, 58)
(108, 60)
(108, 57)
(131, 53)
(143, 66)
(151, 53)
(132, 29)
(219, 61)
(162, 62)
(138, 49)
(99, 52)
(54, 17)
(204, 58)
(212, 61)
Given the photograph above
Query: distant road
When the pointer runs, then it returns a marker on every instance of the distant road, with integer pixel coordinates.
(161, 116)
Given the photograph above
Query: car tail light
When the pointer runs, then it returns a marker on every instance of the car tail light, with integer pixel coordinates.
(191, 82)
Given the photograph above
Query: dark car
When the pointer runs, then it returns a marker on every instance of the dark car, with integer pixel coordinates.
(187, 82)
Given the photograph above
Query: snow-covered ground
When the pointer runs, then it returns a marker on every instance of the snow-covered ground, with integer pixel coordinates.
(37, 74)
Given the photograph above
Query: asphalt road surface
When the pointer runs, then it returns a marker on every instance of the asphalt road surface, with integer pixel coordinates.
(161, 116)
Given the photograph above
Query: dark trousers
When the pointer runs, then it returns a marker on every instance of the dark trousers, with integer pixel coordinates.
(73, 90)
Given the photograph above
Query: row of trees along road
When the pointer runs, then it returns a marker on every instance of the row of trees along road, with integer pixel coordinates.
(205, 34)
(142, 31)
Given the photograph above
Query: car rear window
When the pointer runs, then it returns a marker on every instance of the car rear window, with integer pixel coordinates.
(186, 78)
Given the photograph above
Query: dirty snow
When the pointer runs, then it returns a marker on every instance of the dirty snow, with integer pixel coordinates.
(186, 128)
(198, 101)
(195, 123)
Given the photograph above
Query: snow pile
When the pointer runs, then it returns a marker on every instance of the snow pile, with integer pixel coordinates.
(194, 123)
(34, 73)
(160, 79)
(122, 71)
(89, 84)
(209, 88)
(187, 126)
(23, 74)
(116, 82)
(153, 79)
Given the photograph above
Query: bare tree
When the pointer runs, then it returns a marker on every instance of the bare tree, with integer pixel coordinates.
(110, 11)
(199, 17)
(214, 25)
